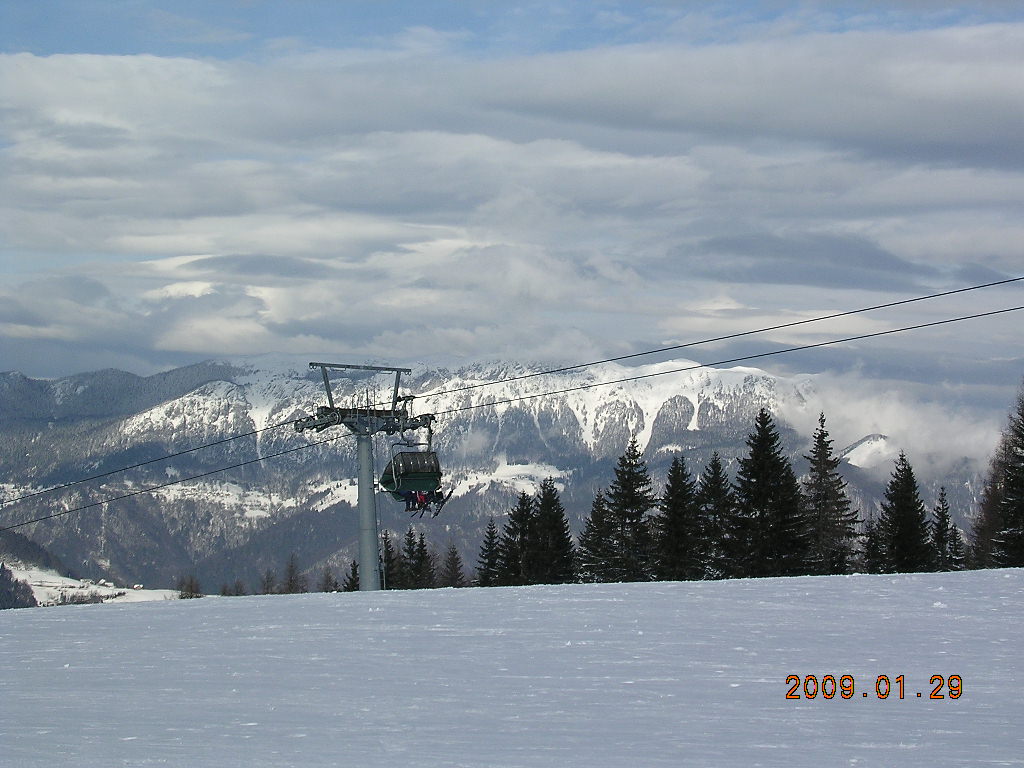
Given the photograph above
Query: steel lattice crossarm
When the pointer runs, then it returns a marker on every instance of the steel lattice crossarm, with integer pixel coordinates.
(364, 421)
(368, 421)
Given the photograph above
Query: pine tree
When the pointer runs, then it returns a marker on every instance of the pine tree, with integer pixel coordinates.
(294, 581)
(395, 573)
(351, 583)
(408, 560)
(986, 524)
(832, 525)
(718, 511)
(957, 550)
(1008, 543)
(681, 535)
(328, 582)
(872, 555)
(550, 556)
(903, 524)
(14, 593)
(512, 546)
(451, 570)
(629, 501)
(597, 549)
(487, 561)
(771, 534)
(942, 531)
(423, 571)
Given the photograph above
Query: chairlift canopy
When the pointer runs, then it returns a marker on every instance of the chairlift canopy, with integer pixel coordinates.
(411, 471)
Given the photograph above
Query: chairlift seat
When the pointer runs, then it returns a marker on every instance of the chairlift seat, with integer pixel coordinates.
(411, 471)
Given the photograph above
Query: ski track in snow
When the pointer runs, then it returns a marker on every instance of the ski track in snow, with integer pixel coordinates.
(662, 674)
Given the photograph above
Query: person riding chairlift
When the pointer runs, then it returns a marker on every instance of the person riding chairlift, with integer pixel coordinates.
(420, 501)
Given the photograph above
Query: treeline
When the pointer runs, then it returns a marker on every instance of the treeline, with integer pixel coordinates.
(411, 565)
(765, 522)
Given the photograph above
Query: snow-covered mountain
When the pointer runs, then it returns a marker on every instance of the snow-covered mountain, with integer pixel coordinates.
(501, 429)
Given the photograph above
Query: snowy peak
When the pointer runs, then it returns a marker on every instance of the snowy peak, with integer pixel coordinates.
(870, 451)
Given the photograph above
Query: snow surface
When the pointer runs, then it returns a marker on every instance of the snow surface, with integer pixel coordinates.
(662, 674)
(48, 587)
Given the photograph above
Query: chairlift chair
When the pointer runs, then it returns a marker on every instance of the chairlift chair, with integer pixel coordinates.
(417, 471)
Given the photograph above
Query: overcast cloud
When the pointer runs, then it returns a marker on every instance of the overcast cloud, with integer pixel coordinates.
(553, 182)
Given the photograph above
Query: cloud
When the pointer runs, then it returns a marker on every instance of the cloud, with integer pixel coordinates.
(822, 260)
(658, 176)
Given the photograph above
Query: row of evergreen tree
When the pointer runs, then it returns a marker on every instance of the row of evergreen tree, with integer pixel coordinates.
(412, 565)
(765, 522)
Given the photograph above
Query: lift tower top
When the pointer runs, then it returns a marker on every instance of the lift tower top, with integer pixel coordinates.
(364, 423)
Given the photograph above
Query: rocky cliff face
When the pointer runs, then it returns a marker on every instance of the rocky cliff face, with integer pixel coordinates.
(494, 440)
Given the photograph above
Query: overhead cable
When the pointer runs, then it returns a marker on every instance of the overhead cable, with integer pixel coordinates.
(697, 366)
(152, 488)
(169, 456)
(726, 337)
(564, 369)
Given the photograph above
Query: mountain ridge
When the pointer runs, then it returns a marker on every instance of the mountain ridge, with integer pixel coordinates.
(494, 441)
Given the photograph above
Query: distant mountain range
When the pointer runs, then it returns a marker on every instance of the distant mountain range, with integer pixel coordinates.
(501, 429)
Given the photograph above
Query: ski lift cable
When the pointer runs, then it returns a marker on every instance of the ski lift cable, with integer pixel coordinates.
(726, 337)
(152, 488)
(786, 350)
(740, 334)
(697, 366)
(101, 475)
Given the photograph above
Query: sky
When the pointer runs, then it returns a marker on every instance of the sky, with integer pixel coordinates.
(557, 182)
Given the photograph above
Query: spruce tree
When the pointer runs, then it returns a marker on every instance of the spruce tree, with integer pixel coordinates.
(682, 544)
(597, 550)
(407, 556)
(872, 554)
(550, 557)
(718, 511)
(986, 524)
(294, 580)
(831, 523)
(513, 545)
(268, 582)
(328, 582)
(424, 573)
(946, 542)
(772, 535)
(903, 524)
(351, 582)
(629, 500)
(957, 550)
(395, 573)
(487, 561)
(451, 570)
(1008, 543)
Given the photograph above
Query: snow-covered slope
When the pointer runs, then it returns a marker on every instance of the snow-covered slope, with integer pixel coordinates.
(51, 588)
(658, 674)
